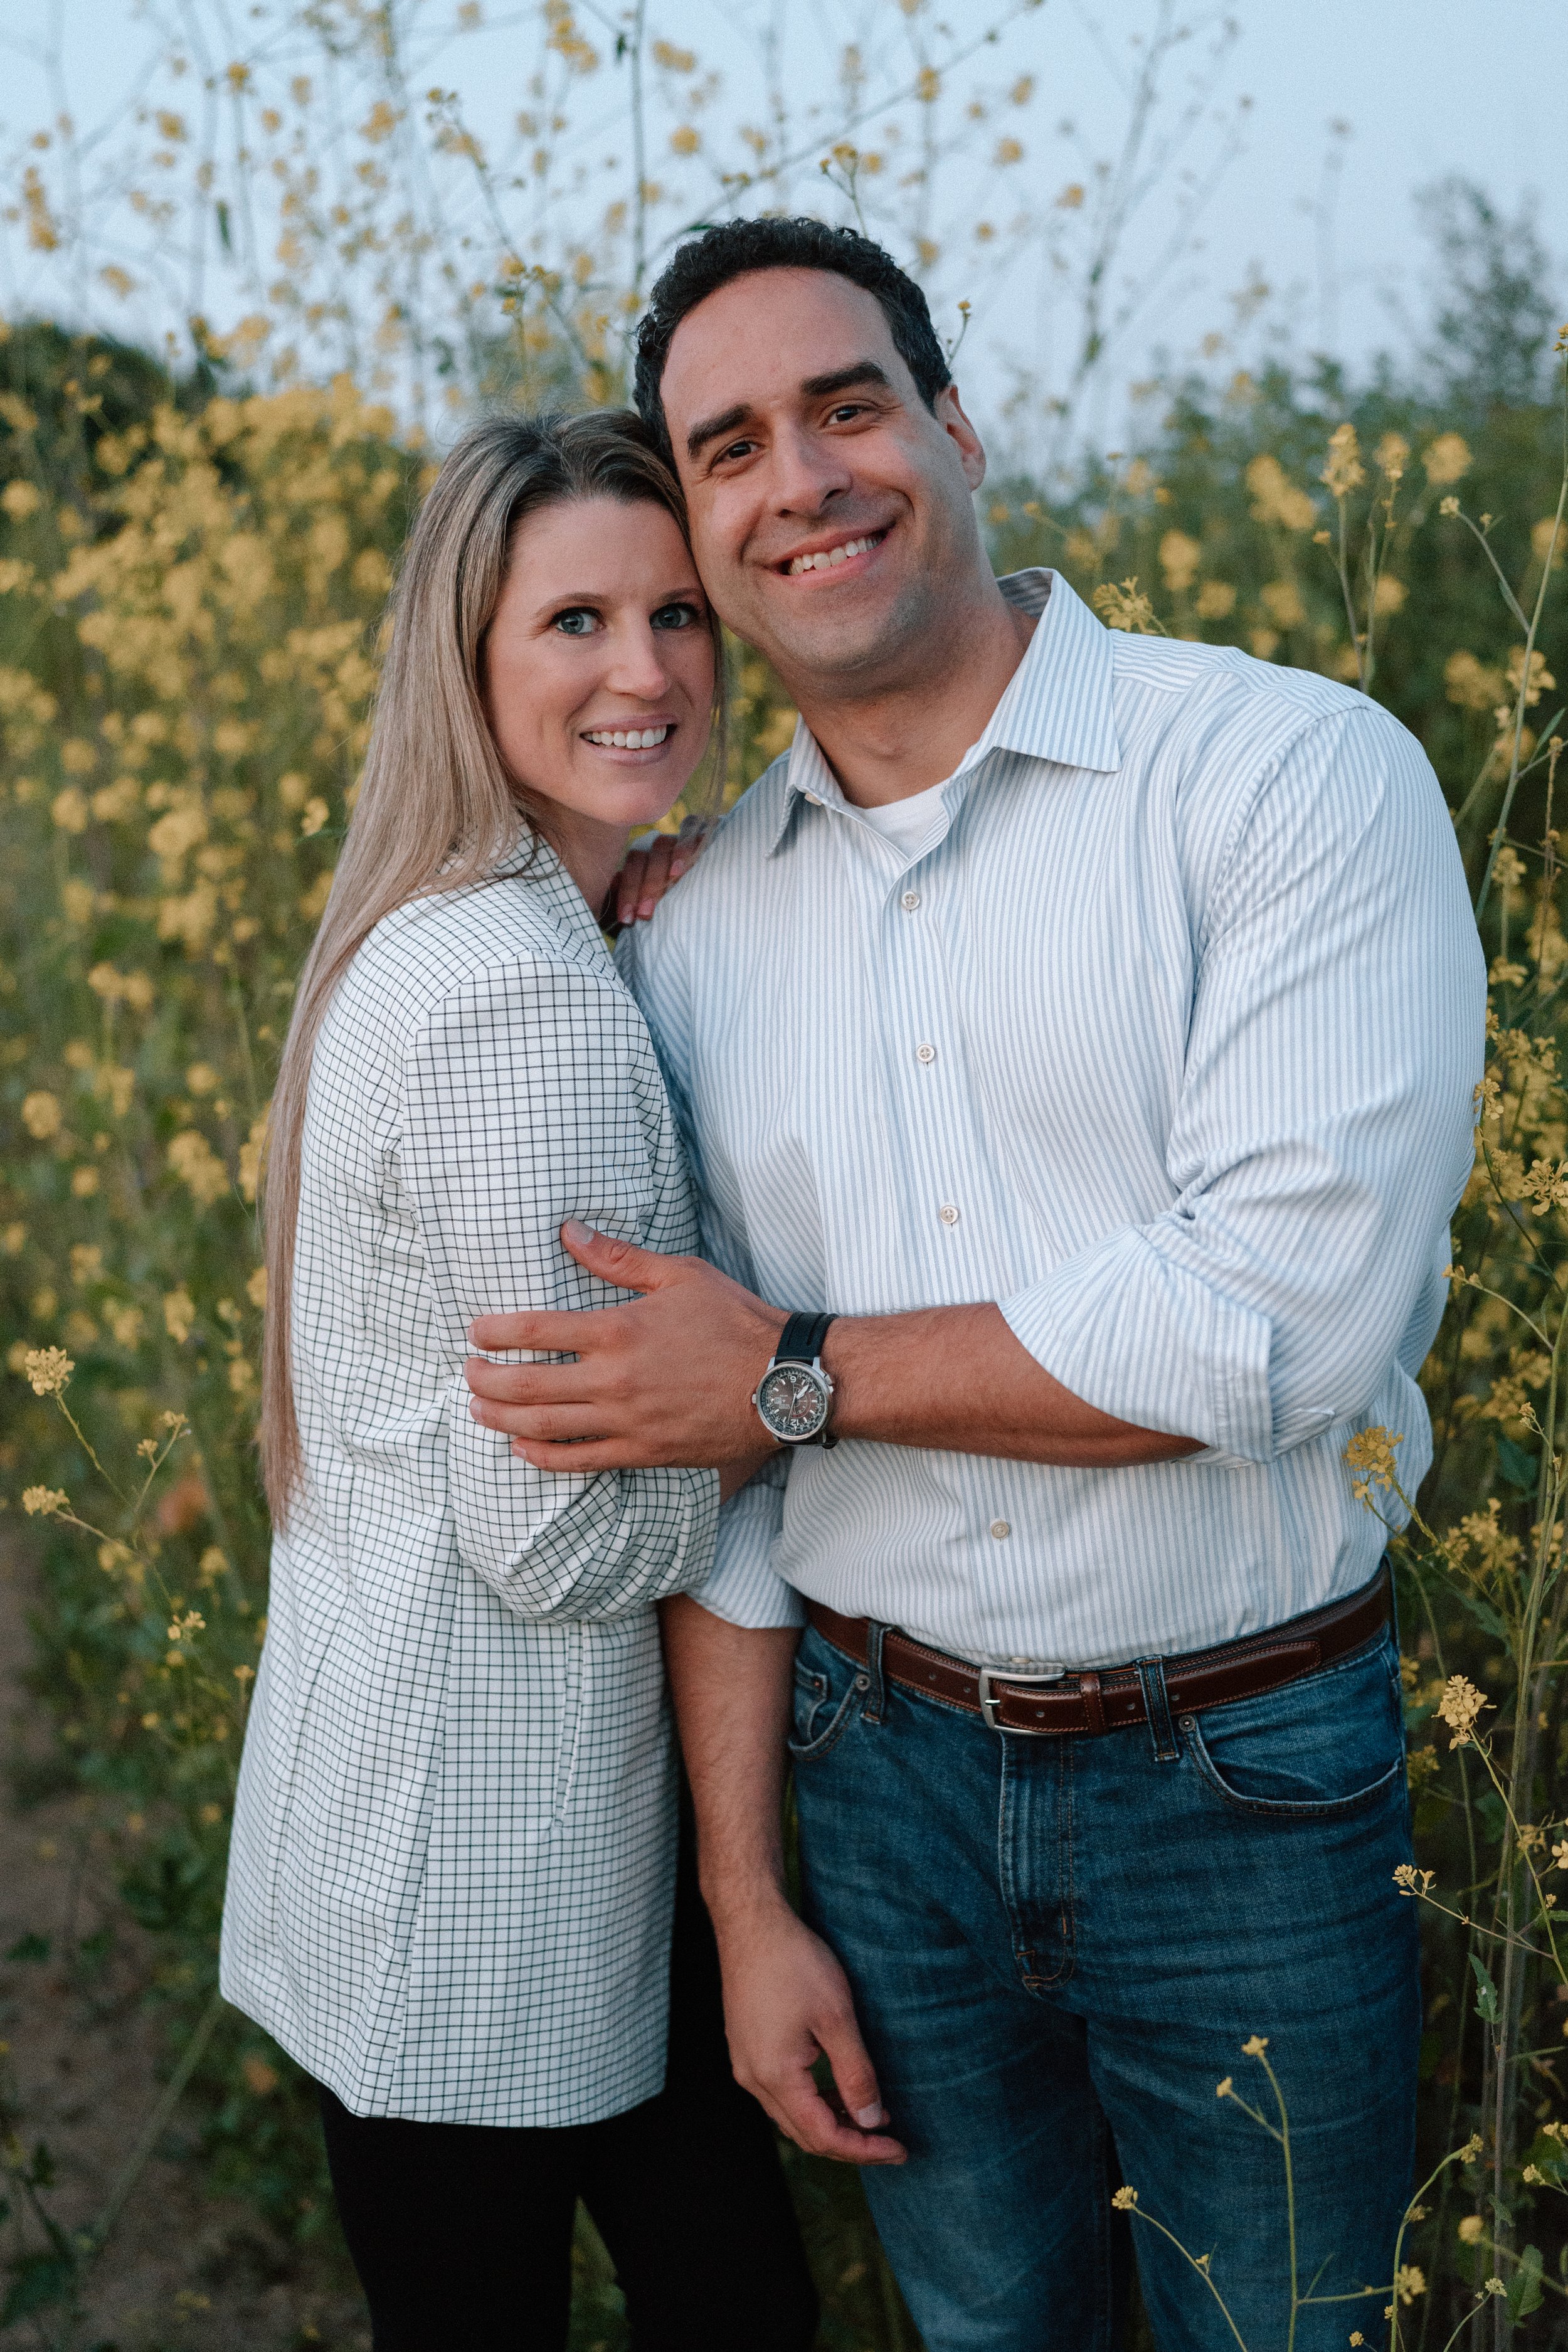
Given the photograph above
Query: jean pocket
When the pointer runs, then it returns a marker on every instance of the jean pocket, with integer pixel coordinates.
(1332, 1744)
(819, 1714)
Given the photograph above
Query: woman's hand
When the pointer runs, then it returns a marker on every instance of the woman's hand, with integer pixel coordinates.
(659, 860)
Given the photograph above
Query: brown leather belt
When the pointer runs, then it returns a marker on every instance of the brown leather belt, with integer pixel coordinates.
(1050, 1706)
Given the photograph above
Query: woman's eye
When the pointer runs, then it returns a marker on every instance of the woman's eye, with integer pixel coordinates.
(675, 616)
(577, 623)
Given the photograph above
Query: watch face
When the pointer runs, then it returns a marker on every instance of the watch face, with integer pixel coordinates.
(792, 1402)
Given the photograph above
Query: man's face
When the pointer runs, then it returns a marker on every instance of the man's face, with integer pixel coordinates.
(831, 510)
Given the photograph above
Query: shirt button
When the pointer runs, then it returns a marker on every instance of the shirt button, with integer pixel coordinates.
(814, 798)
(948, 1213)
(925, 1053)
(910, 901)
(1000, 1528)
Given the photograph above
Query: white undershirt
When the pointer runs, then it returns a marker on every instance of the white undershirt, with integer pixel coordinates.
(906, 822)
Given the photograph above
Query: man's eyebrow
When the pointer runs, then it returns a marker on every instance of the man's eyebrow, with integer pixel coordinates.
(816, 387)
(711, 427)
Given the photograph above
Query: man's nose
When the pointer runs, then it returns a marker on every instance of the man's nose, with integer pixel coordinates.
(809, 473)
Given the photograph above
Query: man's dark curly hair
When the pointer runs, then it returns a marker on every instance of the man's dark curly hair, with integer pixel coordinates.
(733, 249)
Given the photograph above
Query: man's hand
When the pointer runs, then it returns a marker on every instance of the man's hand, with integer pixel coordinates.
(654, 863)
(787, 2004)
(666, 1381)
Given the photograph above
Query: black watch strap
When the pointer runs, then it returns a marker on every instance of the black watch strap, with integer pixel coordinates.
(800, 1341)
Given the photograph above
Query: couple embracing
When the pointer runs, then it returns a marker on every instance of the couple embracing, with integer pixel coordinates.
(909, 1308)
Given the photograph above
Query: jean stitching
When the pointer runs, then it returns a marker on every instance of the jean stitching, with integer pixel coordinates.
(812, 1748)
(1283, 1807)
(876, 1698)
(1157, 1707)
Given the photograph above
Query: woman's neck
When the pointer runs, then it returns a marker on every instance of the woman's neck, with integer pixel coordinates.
(592, 853)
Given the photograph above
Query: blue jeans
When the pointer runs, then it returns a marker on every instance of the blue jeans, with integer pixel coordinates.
(1057, 1947)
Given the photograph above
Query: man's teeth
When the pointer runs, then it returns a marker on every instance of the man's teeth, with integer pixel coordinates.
(833, 555)
(629, 738)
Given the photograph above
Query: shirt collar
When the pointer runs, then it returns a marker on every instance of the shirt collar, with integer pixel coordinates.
(1057, 705)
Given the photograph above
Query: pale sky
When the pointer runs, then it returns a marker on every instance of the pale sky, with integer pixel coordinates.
(1428, 87)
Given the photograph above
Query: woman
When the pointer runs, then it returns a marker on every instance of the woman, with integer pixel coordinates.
(454, 1855)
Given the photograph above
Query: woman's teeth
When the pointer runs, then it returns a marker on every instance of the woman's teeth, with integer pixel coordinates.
(629, 738)
(833, 555)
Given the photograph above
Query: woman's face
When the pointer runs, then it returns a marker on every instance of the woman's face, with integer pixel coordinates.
(598, 665)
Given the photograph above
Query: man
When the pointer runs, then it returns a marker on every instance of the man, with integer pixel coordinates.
(1089, 1025)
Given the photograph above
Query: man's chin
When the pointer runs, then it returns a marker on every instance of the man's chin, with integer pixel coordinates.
(838, 643)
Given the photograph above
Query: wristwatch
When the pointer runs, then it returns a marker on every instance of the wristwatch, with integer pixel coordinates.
(795, 1394)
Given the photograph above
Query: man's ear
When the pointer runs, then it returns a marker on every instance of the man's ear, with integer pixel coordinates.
(970, 450)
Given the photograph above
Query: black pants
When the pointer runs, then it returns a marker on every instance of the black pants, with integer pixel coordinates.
(461, 2233)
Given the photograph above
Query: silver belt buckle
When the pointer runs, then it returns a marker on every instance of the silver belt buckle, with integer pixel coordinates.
(989, 1701)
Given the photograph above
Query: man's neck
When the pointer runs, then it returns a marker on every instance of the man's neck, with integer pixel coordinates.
(907, 732)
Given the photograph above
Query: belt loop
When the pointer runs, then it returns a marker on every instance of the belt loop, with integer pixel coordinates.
(1093, 1705)
(875, 1697)
(1157, 1706)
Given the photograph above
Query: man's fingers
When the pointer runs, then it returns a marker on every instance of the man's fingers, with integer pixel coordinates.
(800, 2110)
(622, 1263)
(549, 1331)
(581, 1460)
(505, 1383)
(542, 1424)
(854, 2076)
(629, 885)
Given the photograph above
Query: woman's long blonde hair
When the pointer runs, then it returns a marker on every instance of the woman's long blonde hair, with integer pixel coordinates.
(437, 810)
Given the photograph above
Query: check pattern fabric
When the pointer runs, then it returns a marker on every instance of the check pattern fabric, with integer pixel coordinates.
(1166, 1039)
(450, 1885)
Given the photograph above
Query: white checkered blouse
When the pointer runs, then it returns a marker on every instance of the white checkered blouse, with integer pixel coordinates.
(450, 1885)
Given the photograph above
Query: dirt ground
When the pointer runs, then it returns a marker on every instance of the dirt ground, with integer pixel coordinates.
(183, 2272)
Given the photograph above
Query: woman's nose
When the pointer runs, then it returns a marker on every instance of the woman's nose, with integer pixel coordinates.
(639, 666)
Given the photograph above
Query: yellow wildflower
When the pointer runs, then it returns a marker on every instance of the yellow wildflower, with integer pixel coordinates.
(1460, 1705)
(48, 1371)
(1391, 456)
(41, 1115)
(1445, 459)
(1179, 559)
(1344, 471)
(49, 1500)
(1124, 2199)
(1275, 498)
(196, 1164)
(1471, 2229)
(1124, 606)
(1371, 1452)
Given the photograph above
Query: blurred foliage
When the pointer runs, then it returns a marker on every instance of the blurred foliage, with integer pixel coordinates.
(193, 574)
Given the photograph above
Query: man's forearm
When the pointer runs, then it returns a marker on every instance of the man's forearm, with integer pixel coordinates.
(787, 2003)
(668, 1379)
(731, 1686)
(954, 1378)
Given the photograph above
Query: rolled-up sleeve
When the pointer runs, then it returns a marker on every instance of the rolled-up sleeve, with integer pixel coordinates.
(520, 1108)
(1323, 1130)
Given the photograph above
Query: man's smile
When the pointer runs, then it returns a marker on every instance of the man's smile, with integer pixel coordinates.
(836, 556)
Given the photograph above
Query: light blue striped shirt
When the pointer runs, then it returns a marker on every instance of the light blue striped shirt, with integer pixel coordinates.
(1166, 1038)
